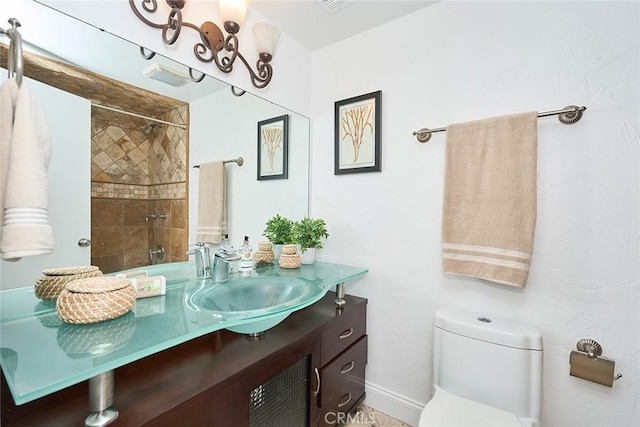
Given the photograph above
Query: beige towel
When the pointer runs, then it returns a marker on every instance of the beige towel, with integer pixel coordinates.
(8, 98)
(212, 204)
(489, 209)
(24, 188)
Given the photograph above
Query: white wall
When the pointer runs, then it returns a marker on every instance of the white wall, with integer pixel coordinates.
(460, 61)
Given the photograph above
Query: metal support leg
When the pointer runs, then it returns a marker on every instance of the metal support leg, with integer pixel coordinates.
(101, 392)
(340, 295)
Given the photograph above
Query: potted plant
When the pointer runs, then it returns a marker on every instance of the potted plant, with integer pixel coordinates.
(278, 231)
(308, 234)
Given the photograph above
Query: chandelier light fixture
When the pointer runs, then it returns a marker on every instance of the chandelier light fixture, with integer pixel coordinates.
(215, 46)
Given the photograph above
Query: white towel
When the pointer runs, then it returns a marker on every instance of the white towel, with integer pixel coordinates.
(26, 150)
(212, 204)
(489, 209)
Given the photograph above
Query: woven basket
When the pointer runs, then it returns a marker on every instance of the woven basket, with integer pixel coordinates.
(95, 299)
(265, 246)
(49, 286)
(66, 271)
(289, 261)
(289, 249)
(263, 257)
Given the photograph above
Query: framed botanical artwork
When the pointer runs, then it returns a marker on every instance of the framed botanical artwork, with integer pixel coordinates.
(357, 134)
(273, 148)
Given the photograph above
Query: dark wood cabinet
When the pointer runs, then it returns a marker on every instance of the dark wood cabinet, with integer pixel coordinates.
(314, 361)
(343, 358)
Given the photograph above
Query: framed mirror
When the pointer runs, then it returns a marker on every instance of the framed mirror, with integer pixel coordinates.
(144, 138)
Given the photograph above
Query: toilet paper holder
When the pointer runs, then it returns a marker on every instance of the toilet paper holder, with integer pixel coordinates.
(587, 363)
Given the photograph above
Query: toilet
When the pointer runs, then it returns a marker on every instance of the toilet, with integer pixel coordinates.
(487, 371)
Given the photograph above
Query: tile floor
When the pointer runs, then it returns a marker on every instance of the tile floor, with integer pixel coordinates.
(369, 417)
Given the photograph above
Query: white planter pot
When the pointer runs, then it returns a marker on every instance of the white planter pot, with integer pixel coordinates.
(308, 256)
(277, 250)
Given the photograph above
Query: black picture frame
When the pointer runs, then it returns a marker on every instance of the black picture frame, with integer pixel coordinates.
(273, 148)
(357, 136)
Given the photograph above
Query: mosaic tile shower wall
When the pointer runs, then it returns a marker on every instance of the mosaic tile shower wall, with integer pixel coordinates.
(138, 169)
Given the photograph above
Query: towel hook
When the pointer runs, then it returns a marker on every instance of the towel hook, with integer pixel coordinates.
(14, 60)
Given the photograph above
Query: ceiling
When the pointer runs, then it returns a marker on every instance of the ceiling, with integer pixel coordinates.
(308, 23)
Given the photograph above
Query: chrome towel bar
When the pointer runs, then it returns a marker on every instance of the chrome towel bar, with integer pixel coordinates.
(567, 116)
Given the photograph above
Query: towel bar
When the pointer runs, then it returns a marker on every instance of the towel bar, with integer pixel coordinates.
(239, 161)
(567, 116)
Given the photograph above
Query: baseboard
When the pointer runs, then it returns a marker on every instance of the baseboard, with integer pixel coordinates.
(397, 406)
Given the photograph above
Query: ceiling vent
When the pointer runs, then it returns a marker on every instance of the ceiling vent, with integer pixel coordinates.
(166, 75)
(334, 6)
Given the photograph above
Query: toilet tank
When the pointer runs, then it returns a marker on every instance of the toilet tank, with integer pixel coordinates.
(490, 360)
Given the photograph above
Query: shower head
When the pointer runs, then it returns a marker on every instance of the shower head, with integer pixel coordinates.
(148, 128)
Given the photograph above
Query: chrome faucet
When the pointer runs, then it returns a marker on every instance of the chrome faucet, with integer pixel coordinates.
(203, 260)
(220, 268)
(222, 261)
(154, 215)
(158, 251)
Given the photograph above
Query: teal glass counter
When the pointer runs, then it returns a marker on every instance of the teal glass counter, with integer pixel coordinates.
(40, 354)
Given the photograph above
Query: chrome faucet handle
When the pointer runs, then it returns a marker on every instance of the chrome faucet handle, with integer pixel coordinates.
(203, 260)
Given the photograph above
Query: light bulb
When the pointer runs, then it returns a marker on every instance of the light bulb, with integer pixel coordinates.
(266, 37)
(233, 10)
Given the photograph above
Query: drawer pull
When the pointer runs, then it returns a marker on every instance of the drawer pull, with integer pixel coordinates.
(346, 333)
(317, 390)
(348, 367)
(348, 396)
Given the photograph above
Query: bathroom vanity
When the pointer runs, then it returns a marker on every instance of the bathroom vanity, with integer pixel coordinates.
(303, 371)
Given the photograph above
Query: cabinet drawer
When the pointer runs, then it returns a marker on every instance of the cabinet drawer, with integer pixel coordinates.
(342, 381)
(346, 329)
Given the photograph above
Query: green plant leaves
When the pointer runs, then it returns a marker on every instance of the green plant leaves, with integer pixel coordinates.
(279, 230)
(309, 232)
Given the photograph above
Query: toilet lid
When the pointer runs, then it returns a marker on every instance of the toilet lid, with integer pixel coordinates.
(448, 410)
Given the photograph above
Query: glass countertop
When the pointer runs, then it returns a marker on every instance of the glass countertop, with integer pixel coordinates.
(40, 354)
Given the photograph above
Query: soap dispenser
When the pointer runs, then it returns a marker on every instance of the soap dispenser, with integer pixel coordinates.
(246, 260)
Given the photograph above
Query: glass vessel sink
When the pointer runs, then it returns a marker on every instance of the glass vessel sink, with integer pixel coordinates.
(265, 300)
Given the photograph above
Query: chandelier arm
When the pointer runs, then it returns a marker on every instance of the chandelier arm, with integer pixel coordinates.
(230, 45)
(174, 21)
(265, 72)
(151, 9)
(195, 27)
(174, 24)
(199, 49)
